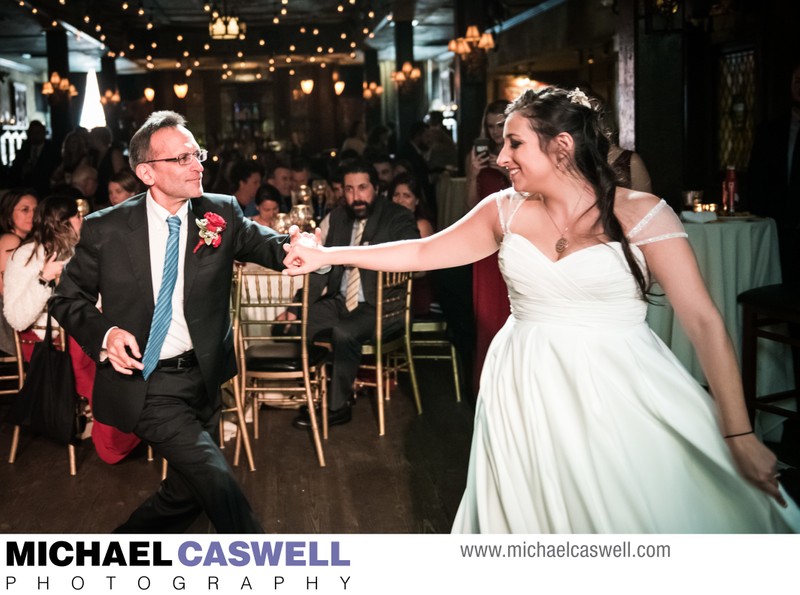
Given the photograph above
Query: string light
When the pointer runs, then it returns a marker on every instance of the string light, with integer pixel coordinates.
(125, 6)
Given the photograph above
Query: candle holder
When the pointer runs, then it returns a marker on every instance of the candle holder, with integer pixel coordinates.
(281, 222)
(302, 215)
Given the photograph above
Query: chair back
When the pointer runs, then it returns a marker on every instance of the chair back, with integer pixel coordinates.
(13, 370)
(394, 304)
(261, 296)
(276, 364)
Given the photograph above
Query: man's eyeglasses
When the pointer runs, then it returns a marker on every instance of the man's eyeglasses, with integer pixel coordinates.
(184, 158)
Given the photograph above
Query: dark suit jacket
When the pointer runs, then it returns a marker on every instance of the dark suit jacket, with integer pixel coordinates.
(387, 223)
(112, 259)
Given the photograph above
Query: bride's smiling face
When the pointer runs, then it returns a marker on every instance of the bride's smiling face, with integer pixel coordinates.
(522, 155)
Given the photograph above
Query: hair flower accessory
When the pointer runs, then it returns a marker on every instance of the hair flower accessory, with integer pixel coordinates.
(579, 97)
(211, 228)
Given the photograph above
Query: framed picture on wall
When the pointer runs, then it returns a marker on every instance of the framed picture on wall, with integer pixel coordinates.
(19, 103)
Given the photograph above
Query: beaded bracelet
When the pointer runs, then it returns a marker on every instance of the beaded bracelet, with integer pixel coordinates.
(737, 435)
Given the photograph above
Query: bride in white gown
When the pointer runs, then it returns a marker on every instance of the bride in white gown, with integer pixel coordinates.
(585, 421)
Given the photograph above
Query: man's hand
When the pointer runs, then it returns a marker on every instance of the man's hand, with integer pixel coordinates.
(118, 341)
(304, 238)
(299, 247)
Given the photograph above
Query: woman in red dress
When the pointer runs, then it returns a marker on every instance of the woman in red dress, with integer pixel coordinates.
(484, 177)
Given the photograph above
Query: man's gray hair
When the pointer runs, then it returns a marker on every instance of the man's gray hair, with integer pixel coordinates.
(139, 147)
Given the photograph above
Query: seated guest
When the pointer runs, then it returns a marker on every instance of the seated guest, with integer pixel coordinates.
(383, 165)
(123, 185)
(84, 180)
(74, 153)
(106, 159)
(31, 275)
(301, 173)
(406, 192)
(246, 179)
(280, 177)
(345, 314)
(268, 204)
(16, 222)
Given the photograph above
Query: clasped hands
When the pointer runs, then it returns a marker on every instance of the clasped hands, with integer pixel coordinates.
(303, 252)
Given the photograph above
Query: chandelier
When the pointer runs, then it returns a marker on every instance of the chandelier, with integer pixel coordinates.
(406, 77)
(58, 86)
(463, 46)
(224, 25)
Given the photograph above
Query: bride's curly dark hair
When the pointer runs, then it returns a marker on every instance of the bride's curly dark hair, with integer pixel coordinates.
(52, 229)
(552, 111)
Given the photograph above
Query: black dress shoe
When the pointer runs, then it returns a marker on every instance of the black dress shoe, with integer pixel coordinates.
(335, 418)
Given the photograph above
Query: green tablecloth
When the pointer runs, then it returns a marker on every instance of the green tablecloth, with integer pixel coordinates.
(733, 256)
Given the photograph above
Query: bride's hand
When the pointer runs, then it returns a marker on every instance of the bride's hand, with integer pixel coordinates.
(757, 464)
(303, 257)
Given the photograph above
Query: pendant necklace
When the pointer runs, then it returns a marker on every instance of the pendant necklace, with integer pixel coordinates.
(562, 243)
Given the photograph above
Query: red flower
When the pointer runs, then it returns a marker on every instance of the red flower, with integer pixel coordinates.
(211, 228)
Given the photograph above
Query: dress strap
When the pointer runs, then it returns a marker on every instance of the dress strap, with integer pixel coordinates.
(507, 207)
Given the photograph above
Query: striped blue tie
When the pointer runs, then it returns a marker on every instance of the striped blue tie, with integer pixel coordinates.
(162, 316)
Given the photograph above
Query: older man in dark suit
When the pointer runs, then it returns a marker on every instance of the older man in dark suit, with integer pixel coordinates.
(345, 313)
(163, 337)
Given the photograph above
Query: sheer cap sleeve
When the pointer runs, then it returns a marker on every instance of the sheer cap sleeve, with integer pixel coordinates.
(508, 203)
(658, 223)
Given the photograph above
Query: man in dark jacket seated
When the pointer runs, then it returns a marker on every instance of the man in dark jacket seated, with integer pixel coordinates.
(345, 313)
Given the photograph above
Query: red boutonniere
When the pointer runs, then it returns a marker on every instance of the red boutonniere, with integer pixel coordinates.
(211, 228)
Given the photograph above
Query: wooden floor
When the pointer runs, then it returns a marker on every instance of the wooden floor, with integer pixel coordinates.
(408, 481)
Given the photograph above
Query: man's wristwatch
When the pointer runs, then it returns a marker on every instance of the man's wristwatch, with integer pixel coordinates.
(45, 283)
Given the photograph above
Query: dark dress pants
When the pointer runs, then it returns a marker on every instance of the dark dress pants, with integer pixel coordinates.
(181, 423)
(330, 320)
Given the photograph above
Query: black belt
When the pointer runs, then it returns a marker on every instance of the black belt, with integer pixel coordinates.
(179, 362)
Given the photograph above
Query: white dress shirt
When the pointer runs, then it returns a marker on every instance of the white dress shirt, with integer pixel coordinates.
(178, 339)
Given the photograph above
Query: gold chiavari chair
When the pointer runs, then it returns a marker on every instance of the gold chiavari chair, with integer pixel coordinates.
(391, 350)
(277, 368)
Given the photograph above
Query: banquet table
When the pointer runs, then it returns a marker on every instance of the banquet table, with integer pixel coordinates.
(733, 256)
(451, 200)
